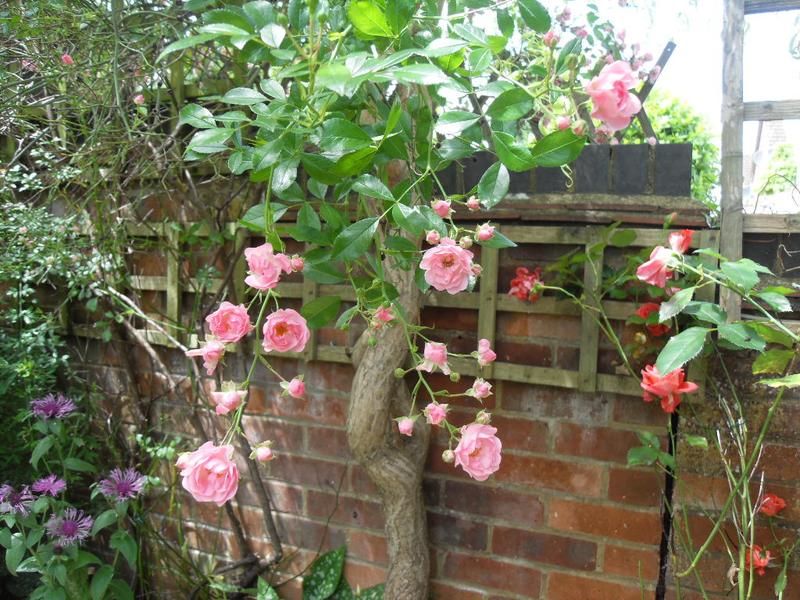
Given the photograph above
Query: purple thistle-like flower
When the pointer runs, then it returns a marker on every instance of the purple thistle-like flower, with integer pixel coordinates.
(69, 527)
(53, 406)
(52, 485)
(122, 485)
(15, 502)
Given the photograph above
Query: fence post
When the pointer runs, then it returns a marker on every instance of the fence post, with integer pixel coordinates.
(590, 329)
(310, 292)
(487, 307)
(173, 281)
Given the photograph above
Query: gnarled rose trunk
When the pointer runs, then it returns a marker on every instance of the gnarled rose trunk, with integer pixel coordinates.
(393, 462)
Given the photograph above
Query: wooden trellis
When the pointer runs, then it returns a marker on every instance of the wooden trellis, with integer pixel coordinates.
(487, 301)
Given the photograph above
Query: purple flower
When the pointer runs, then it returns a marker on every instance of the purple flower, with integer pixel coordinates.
(53, 406)
(52, 485)
(122, 485)
(69, 527)
(15, 502)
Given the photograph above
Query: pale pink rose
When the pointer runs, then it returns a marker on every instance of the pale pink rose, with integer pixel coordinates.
(406, 426)
(484, 232)
(473, 204)
(579, 127)
(652, 141)
(562, 122)
(477, 270)
(435, 355)
(581, 32)
(637, 64)
(613, 103)
(433, 237)
(384, 314)
(23, 230)
(465, 242)
(435, 413)
(480, 389)
(654, 73)
(550, 39)
(209, 474)
(227, 401)
(442, 208)
(265, 267)
(211, 352)
(483, 417)
(295, 388)
(680, 241)
(138, 99)
(67, 59)
(264, 454)
(297, 263)
(613, 142)
(229, 323)
(447, 266)
(647, 57)
(285, 330)
(478, 451)
(656, 270)
(485, 353)
(448, 456)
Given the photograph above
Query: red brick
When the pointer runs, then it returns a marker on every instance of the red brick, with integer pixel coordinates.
(319, 407)
(363, 575)
(633, 410)
(359, 482)
(630, 562)
(552, 402)
(284, 498)
(484, 499)
(444, 591)
(455, 319)
(542, 547)
(563, 586)
(328, 441)
(643, 488)
(563, 476)
(605, 521)
(521, 434)
(367, 546)
(329, 376)
(452, 532)
(308, 471)
(344, 509)
(491, 573)
(599, 443)
(780, 463)
(535, 355)
(286, 436)
(568, 358)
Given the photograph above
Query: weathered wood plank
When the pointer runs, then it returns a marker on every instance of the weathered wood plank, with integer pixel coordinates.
(771, 223)
(772, 110)
(173, 281)
(310, 293)
(590, 329)
(752, 7)
(487, 311)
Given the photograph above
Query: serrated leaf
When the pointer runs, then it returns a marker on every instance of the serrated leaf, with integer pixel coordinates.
(512, 154)
(493, 186)
(534, 15)
(420, 73)
(558, 148)
(741, 274)
(642, 456)
(790, 381)
(455, 121)
(355, 240)
(443, 47)
(100, 581)
(284, 175)
(320, 168)
(409, 218)
(334, 77)
(772, 361)
(324, 577)
(368, 18)
(345, 318)
(675, 305)
(272, 35)
(273, 89)
(210, 141)
(511, 105)
(706, 311)
(187, 42)
(681, 348)
(321, 311)
(197, 116)
(340, 137)
(243, 96)
(41, 448)
(498, 240)
(323, 273)
(742, 336)
(371, 186)
(772, 335)
(777, 302)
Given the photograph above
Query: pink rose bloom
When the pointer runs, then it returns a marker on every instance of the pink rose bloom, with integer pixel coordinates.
(581, 32)
(477, 270)
(209, 474)
(613, 103)
(264, 454)
(656, 270)
(680, 241)
(433, 237)
(441, 208)
(297, 263)
(447, 266)
(478, 451)
(435, 413)
(138, 99)
(285, 330)
(480, 389)
(652, 141)
(435, 355)
(384, 314)
(67, 59)
(229, 323)
(406, 426)
(550, 39)
(484, 232)
(295, 388)
(654, 74)
(265, 267)
(473, 204)
(227, 401)
(667, 387)
(485, 353)
(211, 352)
(562, 123)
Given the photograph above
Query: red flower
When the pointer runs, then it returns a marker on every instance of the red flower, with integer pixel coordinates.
(760, 559)
(680, 241)
(525, 285)
(771, 505)
(644, 311)
(668, 387)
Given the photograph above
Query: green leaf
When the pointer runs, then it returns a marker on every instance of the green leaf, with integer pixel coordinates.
(340, 137)
(742, 335)
(534, 15)
(334, 77)
(513, 155)
(420, 73)
(642, 456)
(354, 163)
(86, 558)
(772, 361)
(225, 29)
(771, 334)
(197, 116)
(105, 519)
(284, 175)
(777, 302)
(126, 545)
(371, 186)
(324, 273)
(493, 186)
(210, 141)
(343, 592)
(681, 348)
(409, 218)
(511, 105)
(374, 593)
(76, 464)
(265, 591)
(498, 240)
(368, 18)
(266, 156)
(100, 582)
(400, 244)
(324, 577)
(790, 381)
(558, 148)
(307, 217)
(120, 590)
(455, 121)
(273, 89)
(623, 238)
(187, 42)
(443, 47)
(571, 47)
(321, 311)
(741, 274)
(696, 441)
(243, 96)
(355, 240)
(14, 555)
(320, 168)
(781, 581)
(706, 311)
(41, 449)
(272, 35)
(675, 305)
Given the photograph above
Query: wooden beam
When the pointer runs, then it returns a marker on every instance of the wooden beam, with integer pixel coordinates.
(752, 7)
(732, 129)
(487, 310)
(772, 110)
(590, 329)
(771, 224)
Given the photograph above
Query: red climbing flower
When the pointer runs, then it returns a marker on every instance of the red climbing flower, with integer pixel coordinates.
(526, 285)
(644, 311)
(771, 505)
(668, 387)
(759, 558)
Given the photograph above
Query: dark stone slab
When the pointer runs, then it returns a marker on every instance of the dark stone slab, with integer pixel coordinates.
(549, 180)
(630, 165)
(474, 168)
(591, 169)
(673, 171)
